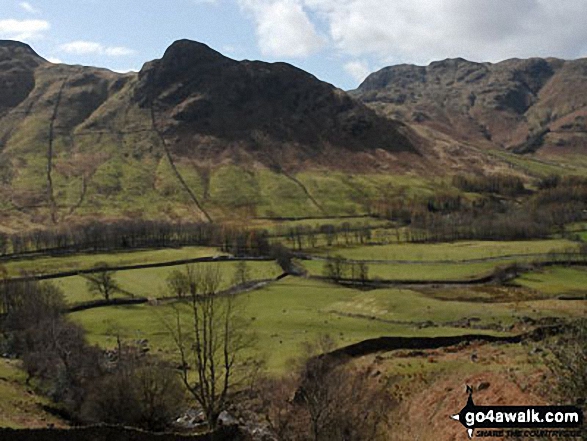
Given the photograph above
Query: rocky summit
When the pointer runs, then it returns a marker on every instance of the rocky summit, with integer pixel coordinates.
(522, 105)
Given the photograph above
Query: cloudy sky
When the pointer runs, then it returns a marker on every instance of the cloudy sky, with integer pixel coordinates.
(339, 41)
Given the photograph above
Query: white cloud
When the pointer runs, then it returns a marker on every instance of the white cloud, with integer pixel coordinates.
(54, 60)
(118, 51)
(82, 47)
(29, 8)
(424, 30)
(357, 69)
(23, 29)
(283, 28)
(125, 70)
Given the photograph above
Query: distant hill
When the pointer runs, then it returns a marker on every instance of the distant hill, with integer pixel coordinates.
(522, 105)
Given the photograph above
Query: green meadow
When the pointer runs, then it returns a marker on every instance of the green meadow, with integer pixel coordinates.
(46, 265)
(418, 271)
(151, 282)
(556, 280)
(454, 251)
(288, 313)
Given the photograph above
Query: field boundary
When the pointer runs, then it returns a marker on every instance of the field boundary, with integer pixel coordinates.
(233, 290)
(386, 344)
(71, 273)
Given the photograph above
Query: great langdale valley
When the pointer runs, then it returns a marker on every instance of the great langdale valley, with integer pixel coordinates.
(213, 249)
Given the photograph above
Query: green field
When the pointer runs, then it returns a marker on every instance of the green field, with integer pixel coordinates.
(556, 281)
(419, 271)
(287, 313)
(453, 251)
(151, 282)
(406, 305)
(46, 265)
(283, 316)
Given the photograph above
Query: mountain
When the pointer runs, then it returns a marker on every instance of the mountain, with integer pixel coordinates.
(189, 133)
(521, 105)
(198, 136)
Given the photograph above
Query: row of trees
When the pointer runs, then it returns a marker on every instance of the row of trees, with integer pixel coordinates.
(338, 268)
(506, 185)
(133, 234)
(559, 202)
(306, 236)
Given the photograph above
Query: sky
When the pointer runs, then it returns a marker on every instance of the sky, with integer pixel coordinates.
(338, 41)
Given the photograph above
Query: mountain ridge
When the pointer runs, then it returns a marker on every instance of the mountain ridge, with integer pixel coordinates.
(523, 105)
(84, 141)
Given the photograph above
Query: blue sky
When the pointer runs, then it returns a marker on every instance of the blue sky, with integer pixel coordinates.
(339, 41)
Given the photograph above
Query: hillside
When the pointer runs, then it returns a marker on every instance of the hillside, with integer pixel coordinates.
(522, 105)
(196, 135)
(82, 141)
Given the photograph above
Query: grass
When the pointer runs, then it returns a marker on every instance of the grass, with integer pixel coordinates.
(19, 405)
(405, 305)
(45, 265)
(452, 251)
(151, 282)
(293, 311)
(555, 281)
(420, 271)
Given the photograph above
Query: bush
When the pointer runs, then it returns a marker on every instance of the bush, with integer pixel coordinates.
(139, 392)
(569, 364)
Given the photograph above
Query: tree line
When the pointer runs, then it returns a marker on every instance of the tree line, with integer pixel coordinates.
(135, 234)
(559, 201)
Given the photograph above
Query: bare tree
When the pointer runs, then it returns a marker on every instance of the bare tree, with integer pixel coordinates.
(102, 282)
(363, 273)
(139, 390)
(242, 273)
(210, 340)
(332, 400)
(178, 283)
(336, 268)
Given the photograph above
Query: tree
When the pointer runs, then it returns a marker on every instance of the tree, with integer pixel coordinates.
(102, 282)
(363, 272)
(140, 391)
(210, 340)
(332, 401)
(242, 273)
(178, 283)
(336, 268)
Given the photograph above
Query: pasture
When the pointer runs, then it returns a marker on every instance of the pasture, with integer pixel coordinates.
(288, 313)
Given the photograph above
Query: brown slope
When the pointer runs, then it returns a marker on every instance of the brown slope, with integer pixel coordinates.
(201, 98)
(17, 65)
(523, 105)
(82, 141)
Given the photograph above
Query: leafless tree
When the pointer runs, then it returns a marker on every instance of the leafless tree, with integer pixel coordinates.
(328, 400)
(210, 340)
(102, 282)
(242, 273)
(178, 283)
